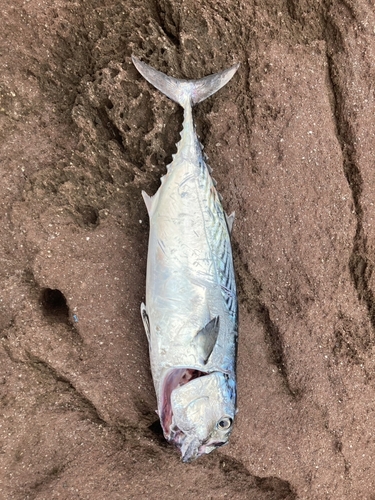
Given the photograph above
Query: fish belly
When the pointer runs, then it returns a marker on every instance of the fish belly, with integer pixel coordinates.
(183, 289)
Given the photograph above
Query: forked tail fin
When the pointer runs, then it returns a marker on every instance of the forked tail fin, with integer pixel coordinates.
(183, 91)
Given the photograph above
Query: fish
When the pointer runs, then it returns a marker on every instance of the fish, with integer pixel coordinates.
(191, 311)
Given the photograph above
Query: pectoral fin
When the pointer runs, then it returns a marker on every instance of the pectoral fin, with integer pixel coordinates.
(206, 338)
(146, 321)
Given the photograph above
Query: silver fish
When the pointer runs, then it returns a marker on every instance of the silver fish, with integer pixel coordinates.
(192, 313)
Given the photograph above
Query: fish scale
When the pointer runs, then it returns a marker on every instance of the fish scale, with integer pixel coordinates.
(190, 316)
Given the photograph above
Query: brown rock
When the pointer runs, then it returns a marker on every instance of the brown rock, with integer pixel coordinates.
(291, 140)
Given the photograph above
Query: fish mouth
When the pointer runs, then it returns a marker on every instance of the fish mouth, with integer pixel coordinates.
(175, 378)
(191, 447)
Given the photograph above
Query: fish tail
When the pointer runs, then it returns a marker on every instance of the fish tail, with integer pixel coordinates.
(185, 92)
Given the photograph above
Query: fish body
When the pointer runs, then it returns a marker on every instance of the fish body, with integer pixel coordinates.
(190, 316)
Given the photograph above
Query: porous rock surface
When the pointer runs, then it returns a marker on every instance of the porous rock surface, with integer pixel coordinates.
(291, 140)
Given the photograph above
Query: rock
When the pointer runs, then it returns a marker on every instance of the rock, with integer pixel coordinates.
(291, 141)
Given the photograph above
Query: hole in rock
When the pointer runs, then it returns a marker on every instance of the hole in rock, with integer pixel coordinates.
(54, 304)
(108, 104)
(157, 433)
(90, 215)
(156, 428)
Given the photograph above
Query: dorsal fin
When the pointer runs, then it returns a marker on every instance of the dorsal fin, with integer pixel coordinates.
(206, 338)
(148, 201)
(230, 221)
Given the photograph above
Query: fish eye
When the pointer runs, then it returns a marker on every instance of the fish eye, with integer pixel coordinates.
(224, 423)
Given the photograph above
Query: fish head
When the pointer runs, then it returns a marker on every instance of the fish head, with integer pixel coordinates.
(202, 414)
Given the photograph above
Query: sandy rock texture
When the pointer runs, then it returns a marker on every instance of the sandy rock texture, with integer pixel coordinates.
(291, 140)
